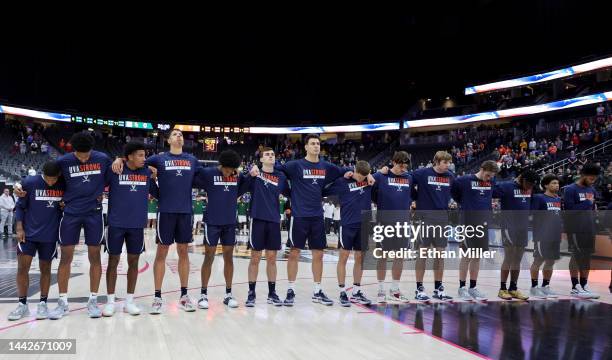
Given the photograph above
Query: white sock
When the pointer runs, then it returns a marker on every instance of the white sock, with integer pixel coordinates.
(317, 287)
(395, 285)
(381, 285)
(64, 297)
(93, 296)
(110, 298)
(342, 288)
(356, 289)
(291, 285)
(129, 298)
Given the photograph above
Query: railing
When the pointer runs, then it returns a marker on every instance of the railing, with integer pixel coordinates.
(588, 152)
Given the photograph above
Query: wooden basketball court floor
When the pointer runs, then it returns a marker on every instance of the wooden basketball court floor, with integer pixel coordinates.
(565, 328)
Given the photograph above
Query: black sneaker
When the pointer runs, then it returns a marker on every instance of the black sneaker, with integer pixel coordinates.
(250, 299)
(274, 299)
(344, 300)
(289, 300)
(359, 298)
(321, 298)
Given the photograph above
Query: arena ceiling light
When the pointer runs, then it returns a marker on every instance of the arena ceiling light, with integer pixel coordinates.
(44, 115)
(508, 113)
(538, 78)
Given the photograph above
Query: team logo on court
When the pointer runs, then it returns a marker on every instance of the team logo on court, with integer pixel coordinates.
(314, 174)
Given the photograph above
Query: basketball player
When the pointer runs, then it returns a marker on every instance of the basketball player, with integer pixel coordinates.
(546, 235)
(308, 176)
(515, 197)
(223, 187)
(431, 192)
(38, 215)
(579, 203)
(473, 194)
(392, 194)
(84, 172)
(264, 227)
(175, 173)
(355, 196)
(127, 217)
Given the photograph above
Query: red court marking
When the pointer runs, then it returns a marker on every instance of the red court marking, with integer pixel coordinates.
(141, 270)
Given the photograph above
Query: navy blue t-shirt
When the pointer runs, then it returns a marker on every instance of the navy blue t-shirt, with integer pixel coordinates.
(579, 203)
(307, 180)
(431, 190)
(128, 197)
(265, 190)
(547, 224)
(223, 193)
(513, 198)
(39, 210)
(393, 192)
(175, 174)
(354, 197)
(84, 182)
(471, 193)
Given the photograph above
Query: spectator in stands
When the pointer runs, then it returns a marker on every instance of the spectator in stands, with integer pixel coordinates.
(583, 159)
(15, 148)
(552, 152)
(23, 172)
(7, 205)
(523, 145)
(31, 171)
(68, 147)
(600, 110)
(62, 144)
(34, 147)
(44, 148)
(22, 148)
(532, 144)
(575, 140)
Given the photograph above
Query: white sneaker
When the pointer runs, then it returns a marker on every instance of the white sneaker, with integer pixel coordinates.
(592, 295)
(187, 304)
(537, 292)
(20, 312)
(131, 308)
(578, 291)
(549, 292)
(477, 294)
(230, 301)
(381, 298)
(397, 295)
(203, 302)
(109, 309)
(464, 294)
(156, 308)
